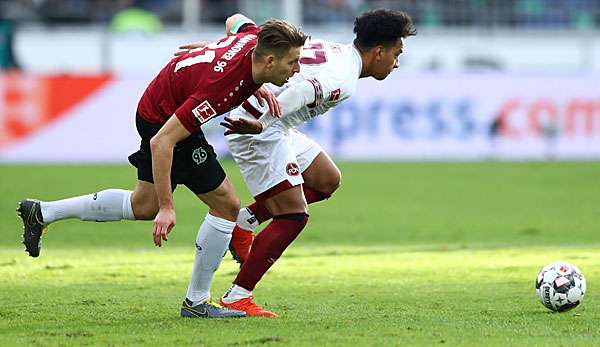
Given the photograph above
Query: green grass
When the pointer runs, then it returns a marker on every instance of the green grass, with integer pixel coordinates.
(404, 254)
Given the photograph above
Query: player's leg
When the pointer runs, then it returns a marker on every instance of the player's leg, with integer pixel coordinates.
(289, 210)
(208, 181)
(321, 178)
(106, 205)
(212, 239)
(103, 206)
(271, 172)
(263, 161)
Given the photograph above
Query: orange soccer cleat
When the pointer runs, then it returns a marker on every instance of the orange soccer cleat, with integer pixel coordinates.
(250, 307)
(239, 246)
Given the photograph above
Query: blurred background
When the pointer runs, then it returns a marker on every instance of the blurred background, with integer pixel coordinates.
(482, 80)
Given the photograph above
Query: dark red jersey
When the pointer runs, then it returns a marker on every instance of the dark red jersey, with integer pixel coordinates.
(203, 83)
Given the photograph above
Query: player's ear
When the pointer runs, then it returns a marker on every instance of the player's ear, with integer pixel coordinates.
(270, 60)
(378, 52)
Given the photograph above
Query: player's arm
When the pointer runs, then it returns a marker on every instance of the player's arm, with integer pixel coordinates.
(232, 25)
(291, 100)
(161, 146)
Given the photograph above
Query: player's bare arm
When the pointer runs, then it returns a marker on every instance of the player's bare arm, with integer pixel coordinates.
(162, 145)
(186, 47)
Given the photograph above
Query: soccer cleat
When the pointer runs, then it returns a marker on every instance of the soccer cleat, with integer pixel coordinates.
(208, 309)
(250, 307)
(33, 225)
(239, 246)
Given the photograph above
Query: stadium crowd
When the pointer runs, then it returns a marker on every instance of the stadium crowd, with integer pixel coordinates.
(565, 14)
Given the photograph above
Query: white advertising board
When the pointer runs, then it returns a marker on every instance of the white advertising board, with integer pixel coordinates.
(405, 117)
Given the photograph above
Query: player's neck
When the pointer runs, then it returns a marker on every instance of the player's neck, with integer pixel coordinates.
(366, 63)
(257, 70)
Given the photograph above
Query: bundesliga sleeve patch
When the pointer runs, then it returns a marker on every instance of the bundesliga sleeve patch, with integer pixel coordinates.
(204, 111)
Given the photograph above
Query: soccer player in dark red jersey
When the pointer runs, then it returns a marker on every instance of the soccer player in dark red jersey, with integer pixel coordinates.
(189, 91)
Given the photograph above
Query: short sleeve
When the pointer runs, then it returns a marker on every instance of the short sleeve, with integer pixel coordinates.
(193, 113)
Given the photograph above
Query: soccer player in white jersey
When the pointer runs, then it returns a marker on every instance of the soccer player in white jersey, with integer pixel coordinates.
(285, 170)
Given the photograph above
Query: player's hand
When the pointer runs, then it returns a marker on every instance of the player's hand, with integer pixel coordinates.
(163, 223)
(242, 126)
(264, 94)
(185, 48)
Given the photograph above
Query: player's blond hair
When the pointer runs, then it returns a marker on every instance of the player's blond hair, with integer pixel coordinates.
(277, 37)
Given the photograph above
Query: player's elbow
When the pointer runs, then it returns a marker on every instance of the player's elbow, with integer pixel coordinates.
(158, 142)
(232, 20)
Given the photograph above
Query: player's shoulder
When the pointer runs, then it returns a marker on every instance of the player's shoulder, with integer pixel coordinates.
(340, 58)
(341, 68)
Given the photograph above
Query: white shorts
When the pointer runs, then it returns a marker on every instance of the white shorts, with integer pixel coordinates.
(273, 160)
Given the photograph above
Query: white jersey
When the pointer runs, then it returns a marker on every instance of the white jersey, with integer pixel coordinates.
(275, 159)
(332, 68)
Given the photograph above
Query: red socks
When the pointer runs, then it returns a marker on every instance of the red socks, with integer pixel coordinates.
(262, 214)
(268, 247)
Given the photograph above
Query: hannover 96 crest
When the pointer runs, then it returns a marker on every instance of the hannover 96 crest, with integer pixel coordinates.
(199, 155)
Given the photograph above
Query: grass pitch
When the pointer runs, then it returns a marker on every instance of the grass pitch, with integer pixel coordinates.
(403, 254)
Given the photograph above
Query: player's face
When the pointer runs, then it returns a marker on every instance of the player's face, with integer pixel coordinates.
(286, 66)
(387, 59)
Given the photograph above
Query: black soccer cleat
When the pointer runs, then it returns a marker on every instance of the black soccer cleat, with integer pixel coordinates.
(33, 225)
(208, 309)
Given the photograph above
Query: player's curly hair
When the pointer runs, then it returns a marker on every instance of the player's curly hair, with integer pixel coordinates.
(382, 27)
(277, 37)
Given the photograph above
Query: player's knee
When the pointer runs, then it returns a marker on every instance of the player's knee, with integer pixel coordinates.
(233, 208)
(144, 211)
(331, 182)
(336, 182)
(227, 208)
(143, 208)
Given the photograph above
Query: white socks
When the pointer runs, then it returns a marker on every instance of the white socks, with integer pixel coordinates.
(107, 205)
(235, 293)
(246, 220)
(212, 242)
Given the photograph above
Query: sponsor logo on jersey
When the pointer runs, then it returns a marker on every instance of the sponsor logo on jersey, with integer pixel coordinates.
(204, 111)
(199, 155)
(292, 169)
(335, 95)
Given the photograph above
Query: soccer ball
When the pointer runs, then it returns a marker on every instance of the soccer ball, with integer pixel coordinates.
(560, 286)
